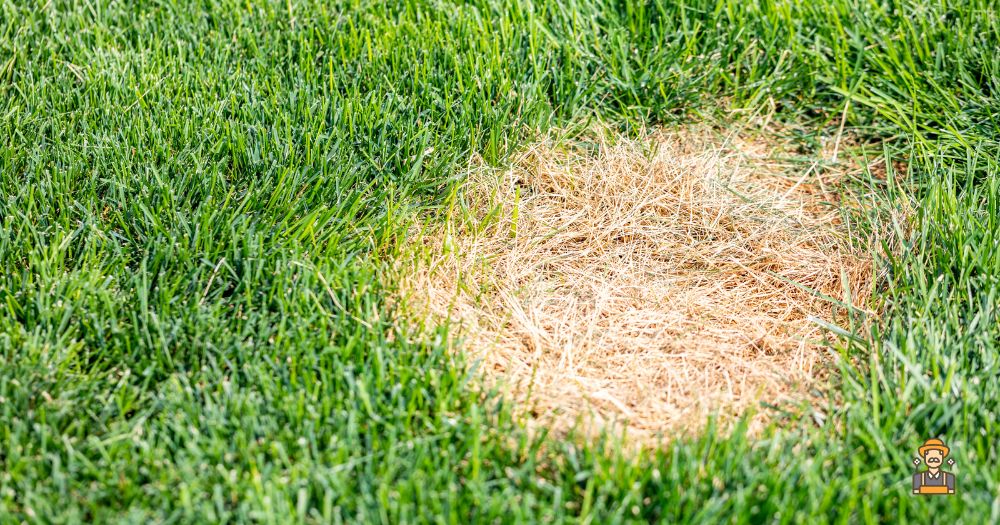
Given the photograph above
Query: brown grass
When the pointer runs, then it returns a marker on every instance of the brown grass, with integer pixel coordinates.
(650, 283)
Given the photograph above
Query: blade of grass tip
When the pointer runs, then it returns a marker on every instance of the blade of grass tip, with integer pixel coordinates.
(419, 161)
(142, 95)
(837, 330)
(817, 293)
(215, 272)
(845, 284)
(916, 373)
(333, 297)
(840, 130)
(516, 213)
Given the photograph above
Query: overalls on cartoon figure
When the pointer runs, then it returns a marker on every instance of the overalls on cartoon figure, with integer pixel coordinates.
(933, 480)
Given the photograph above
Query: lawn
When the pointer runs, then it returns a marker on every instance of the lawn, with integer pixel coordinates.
(200, 201)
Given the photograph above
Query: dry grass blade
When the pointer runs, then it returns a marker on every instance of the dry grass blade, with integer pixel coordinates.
(650, 283)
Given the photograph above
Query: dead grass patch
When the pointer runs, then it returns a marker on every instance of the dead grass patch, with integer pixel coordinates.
(651, 283)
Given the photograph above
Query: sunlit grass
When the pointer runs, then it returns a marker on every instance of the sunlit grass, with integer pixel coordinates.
(197, 200)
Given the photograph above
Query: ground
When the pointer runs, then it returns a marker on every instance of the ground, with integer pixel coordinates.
(200, 201)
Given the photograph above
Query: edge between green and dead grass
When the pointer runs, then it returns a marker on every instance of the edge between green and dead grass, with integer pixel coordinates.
(197, 201)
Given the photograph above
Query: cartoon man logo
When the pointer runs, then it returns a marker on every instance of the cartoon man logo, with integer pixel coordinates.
(933, 480)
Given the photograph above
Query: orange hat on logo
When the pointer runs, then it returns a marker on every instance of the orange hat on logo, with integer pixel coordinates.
(933, 444)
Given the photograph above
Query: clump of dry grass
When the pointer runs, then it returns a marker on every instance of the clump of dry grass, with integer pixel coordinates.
(650, 283)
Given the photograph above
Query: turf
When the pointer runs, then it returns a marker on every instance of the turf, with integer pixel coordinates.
(199, 200)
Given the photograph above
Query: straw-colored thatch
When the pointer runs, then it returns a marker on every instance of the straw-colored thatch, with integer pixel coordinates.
(645, 282)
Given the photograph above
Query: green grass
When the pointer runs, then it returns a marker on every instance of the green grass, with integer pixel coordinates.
(197, 200)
